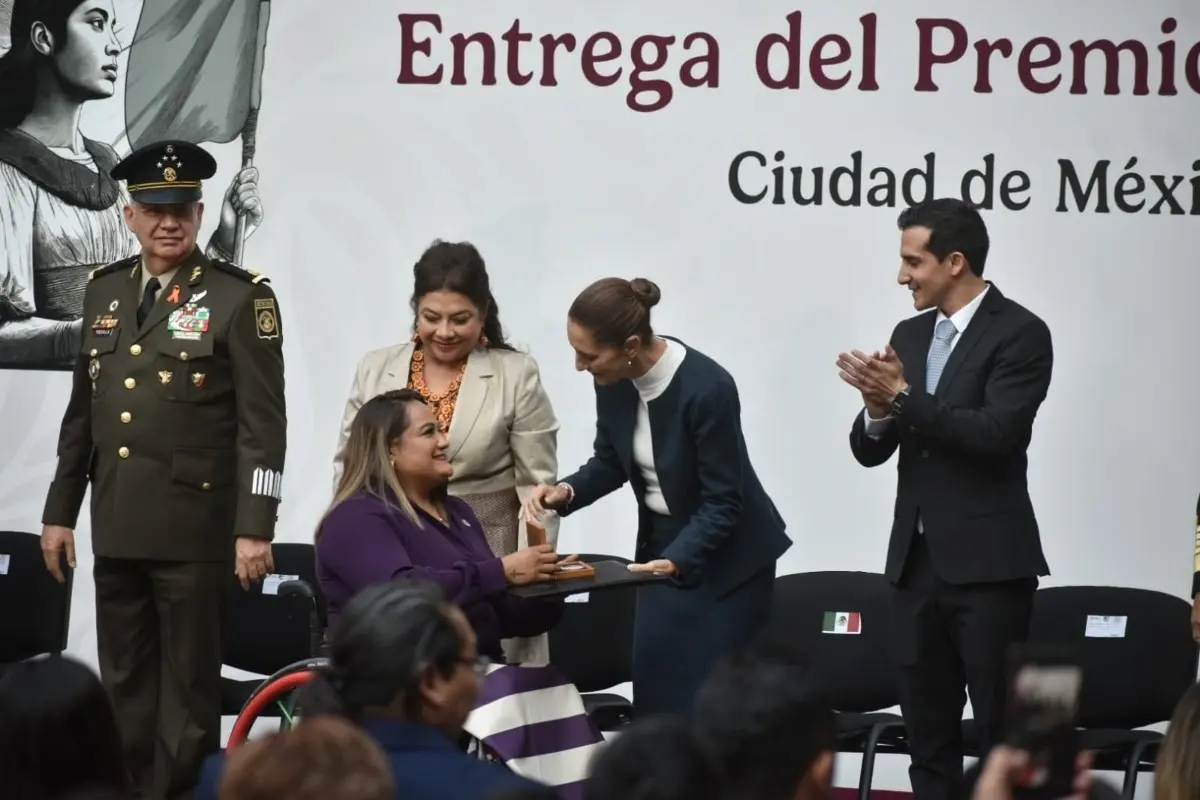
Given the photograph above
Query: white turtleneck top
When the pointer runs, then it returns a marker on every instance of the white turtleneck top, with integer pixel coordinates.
(649, 386)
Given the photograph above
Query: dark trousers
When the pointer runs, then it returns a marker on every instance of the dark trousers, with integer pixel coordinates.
(950, 640)
(158, 627)
(679, 635)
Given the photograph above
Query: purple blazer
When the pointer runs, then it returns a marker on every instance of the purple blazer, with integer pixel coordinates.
(366, 540)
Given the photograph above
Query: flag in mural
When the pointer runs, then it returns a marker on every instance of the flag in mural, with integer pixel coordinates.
(191, 72)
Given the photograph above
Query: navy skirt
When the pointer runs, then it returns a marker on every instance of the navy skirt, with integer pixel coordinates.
(681, 634)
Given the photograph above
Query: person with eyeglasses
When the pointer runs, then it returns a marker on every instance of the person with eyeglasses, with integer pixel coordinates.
(393, 517)
(404, 665)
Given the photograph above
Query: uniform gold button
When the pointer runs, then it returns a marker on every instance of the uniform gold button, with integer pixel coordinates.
(130, 383)
(126, 416)
(183, 356)
(206, 486)
(95, 352)
(123, 452)
(136, 350)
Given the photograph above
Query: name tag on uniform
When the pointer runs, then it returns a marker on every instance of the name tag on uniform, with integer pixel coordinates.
(104, 325)
(188, 322)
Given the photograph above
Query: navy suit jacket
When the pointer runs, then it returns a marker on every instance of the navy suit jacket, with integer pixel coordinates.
(730, 529)
(426, 765)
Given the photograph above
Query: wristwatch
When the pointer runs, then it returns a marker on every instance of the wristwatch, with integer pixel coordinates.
(898, 402)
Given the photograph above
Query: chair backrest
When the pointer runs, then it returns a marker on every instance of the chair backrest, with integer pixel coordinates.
(1135, 646)
(267, 630)
(838, 622)
(593, 645)
(37, 608)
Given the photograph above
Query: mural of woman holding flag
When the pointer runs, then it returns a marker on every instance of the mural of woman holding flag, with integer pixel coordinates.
(193, 74)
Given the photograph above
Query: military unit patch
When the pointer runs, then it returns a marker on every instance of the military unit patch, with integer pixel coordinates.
(265, 319)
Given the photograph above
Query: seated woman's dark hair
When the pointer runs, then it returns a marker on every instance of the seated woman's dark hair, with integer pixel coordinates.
(458, 267)
(385, 641)
(58, 732)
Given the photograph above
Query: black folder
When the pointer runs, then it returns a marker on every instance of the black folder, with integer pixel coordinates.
(608, 575)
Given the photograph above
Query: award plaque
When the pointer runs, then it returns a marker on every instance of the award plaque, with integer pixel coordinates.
(536, 534)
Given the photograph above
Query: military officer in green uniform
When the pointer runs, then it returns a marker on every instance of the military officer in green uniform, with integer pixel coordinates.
(177, 420)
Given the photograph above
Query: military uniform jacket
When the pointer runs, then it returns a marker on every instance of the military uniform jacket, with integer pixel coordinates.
(180, 424)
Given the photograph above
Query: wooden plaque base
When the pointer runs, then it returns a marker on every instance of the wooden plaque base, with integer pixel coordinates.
(576, 569)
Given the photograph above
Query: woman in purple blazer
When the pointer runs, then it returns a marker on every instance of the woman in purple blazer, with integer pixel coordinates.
(391, 517)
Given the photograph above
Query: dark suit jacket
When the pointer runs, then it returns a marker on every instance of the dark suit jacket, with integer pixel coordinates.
(963, 457)
(426, 766)
(180, 424)
(730, 528)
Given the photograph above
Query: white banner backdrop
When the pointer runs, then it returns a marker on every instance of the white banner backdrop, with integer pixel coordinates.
(760, 192)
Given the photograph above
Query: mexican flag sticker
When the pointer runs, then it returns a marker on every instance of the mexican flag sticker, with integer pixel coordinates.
(842, 622)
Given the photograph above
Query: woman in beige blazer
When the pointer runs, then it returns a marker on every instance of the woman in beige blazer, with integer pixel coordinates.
(487, 397)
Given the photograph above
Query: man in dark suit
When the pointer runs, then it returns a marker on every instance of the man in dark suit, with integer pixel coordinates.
(177, 420)
(956, 391)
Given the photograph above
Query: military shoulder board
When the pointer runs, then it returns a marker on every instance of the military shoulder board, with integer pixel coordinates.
(116, 266)
(245, 274)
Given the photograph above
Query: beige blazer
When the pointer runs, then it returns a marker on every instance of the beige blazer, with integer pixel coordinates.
(503, 435)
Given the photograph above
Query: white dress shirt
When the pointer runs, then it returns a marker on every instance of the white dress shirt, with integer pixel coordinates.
(649, 386)
(875, 428)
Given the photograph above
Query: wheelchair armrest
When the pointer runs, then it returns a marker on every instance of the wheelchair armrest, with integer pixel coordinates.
(304, 590)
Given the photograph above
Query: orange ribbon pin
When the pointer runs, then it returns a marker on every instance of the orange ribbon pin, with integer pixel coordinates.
(173, 299)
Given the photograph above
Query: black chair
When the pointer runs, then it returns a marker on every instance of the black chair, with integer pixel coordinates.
(38, 608)
(268, 630)
(593, 646)
(855, 670)
(1129, 681)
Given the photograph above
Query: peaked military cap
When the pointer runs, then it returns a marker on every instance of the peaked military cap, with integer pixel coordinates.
(165, 173)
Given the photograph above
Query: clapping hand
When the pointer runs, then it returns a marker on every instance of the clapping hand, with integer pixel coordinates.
(878, 377)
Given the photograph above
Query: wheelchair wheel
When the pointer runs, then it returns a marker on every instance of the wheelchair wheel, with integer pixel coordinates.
(274, 688)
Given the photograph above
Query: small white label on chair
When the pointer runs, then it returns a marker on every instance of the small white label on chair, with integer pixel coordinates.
(4, 559)
(1099, 627)
(272, 581)
(577, 598)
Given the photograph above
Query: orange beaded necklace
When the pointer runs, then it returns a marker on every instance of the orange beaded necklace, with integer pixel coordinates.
(440, 403)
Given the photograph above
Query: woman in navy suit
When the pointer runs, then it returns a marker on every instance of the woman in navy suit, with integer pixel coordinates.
(668, 421)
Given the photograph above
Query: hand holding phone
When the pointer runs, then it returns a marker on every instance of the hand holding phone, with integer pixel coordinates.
(1043, 702)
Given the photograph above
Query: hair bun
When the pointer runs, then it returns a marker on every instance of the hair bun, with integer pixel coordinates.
(646, 291)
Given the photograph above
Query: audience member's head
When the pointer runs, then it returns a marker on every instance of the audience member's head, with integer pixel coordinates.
(93, 794)
(763, 721)
(656, 759)
(59, 733)
(532, 792)
(320, 758)
(399, 650)
(1177, 773)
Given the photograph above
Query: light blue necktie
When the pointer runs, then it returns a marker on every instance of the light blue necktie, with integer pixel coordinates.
(939, 353)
